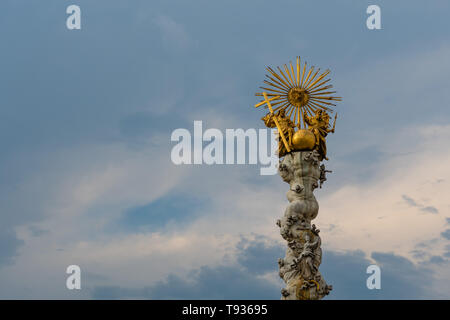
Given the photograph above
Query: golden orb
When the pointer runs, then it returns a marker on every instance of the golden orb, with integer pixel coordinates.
(303, 140)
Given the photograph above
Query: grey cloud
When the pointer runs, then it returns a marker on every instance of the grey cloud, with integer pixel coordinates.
(422, 245)
(242, 281)
(437, 260)
(409, 201)
(94, 277)
(36, 231)
(223, 282)
(174, 35)
(8, 246)
(430, 209)
(418, 254)
(259, 256)
(401, 279)
(446, 234)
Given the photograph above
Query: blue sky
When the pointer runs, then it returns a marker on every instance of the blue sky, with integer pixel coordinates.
(86, 177)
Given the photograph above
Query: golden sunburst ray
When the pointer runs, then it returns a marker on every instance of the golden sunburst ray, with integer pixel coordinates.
(309, 110)
(303, 118)
(293, 73)
(316, 82)
(323, 102)
(303, 74)
(284, 104)
(289, 74)
(276, 81)
(285, 77)
(320, 93)
(326, 98)
(312, 78)
(309, 74)
(278, 77)
(318, 105)
(277, 104)
(319, 85)
(273, 85)
(278, 93)
(259, 94)
(291, 109)
(321, 89)
(295, 113)
(299, 90)
(277, 100)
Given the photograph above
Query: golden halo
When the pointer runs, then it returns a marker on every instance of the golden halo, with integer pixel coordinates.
(300, 92)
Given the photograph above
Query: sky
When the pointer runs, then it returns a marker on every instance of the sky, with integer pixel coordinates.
(86, 176)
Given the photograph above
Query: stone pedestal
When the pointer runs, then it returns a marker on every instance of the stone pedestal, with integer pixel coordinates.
(300, 267)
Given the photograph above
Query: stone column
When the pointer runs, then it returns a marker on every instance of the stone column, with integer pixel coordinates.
(300, 267)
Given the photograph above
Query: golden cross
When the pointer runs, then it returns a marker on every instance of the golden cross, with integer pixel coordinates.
(266, 100)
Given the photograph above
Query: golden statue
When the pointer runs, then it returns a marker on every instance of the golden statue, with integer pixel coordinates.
(300, 95)
(319, 126)
(286, 126)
